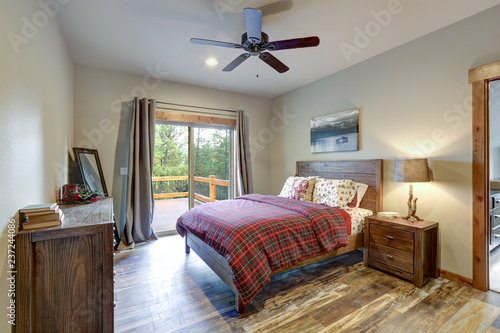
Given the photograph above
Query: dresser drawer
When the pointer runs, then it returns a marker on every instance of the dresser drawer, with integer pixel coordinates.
(397, 239)
(392, 257)
(495, 201)
(495, 218)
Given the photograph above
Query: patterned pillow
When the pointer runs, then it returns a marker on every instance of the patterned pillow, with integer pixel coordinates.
(335, 192)
(308, 195)
(286, 191)
(300, 188)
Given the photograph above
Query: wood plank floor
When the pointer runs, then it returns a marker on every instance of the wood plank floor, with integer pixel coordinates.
(161, 289)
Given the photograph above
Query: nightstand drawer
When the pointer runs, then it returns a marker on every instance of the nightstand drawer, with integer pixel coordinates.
(397, 239)
(392, 257)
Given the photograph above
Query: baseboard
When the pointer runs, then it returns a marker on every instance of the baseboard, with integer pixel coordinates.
(455, 277)
(166, 233)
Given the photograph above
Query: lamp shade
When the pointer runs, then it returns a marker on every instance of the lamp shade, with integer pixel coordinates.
(411, 171)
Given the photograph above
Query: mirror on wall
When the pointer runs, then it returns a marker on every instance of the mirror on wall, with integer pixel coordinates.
(90, 169)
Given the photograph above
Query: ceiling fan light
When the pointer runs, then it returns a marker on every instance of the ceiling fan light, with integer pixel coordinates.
(211, 62)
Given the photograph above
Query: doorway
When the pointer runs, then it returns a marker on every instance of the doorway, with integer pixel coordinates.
(480, 78)
(494, 171)
(193, 166)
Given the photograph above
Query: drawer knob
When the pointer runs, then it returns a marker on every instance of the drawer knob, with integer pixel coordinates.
(388, 256)
(390, 237)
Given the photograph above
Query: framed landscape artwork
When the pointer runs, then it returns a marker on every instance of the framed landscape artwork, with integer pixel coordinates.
(335, 132)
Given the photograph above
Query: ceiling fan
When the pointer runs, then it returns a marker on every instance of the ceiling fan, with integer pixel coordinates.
(255, 42)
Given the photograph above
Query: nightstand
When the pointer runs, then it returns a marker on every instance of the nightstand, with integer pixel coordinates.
(399, 247)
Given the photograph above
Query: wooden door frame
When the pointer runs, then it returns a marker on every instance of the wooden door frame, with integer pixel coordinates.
(480, 78)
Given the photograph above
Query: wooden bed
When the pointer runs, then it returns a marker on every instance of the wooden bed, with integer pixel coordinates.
(362, 171)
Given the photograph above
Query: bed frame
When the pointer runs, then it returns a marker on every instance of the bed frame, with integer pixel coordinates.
(362, 171)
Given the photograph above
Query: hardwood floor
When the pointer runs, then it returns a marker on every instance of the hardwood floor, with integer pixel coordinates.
(161, 289)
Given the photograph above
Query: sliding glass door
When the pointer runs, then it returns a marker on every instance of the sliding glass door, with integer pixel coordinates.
(193, 166)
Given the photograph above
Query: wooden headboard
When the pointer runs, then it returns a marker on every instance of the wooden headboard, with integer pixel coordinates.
(361, 171)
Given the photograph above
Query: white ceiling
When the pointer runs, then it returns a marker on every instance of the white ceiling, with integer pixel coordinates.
(152, 36)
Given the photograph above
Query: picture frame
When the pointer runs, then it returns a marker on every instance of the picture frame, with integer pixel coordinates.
(335, 132)
(90, 169)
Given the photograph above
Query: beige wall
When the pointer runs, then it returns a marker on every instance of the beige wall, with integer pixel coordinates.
(98, 108)
(414, 101)
(36, 118)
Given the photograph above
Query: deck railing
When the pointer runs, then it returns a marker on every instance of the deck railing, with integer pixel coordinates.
(212, 181)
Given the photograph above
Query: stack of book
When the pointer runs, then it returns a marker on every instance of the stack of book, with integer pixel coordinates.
(388, 215)
(40, 216)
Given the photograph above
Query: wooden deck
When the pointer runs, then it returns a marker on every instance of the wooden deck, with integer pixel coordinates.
(168, 211)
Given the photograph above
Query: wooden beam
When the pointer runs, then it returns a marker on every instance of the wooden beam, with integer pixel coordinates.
(486, 72)
(170, 195)
(167, 178)
(194, 119)
(201, 197)
(480, 187)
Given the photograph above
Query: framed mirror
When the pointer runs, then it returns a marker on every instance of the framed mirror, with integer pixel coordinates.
(90, 169)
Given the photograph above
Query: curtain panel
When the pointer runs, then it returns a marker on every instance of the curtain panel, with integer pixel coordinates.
(140, 196)
(242, 159)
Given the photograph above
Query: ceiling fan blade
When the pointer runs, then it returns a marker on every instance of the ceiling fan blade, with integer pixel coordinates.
(253, 21)
(272, 61)
(215, 43)
(276, 7)
(293, 43)
(236, 62)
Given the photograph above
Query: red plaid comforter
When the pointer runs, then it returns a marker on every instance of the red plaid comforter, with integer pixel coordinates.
(258, 234)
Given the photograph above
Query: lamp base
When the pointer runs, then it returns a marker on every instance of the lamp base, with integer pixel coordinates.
(412, 208)
(413, 218)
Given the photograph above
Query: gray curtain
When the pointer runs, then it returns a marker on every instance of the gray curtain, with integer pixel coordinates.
(242, 158)
(140, 196)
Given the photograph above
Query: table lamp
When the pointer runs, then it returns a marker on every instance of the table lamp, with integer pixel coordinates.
(411, 171)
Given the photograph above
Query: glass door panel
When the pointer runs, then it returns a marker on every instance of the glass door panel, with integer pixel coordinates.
(170, 176)
(212, 158)
(192, 166)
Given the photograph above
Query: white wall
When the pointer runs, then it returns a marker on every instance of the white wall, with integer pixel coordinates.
(98, 107)
(414, 101)
(36, 118)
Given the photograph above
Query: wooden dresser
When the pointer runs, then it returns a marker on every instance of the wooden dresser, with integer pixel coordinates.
(402, 248)
(65, 273)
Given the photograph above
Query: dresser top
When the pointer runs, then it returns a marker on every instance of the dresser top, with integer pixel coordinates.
(95, 213)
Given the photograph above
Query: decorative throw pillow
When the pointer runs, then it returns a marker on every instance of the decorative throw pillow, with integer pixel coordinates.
(299, 188)
(308, 195)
